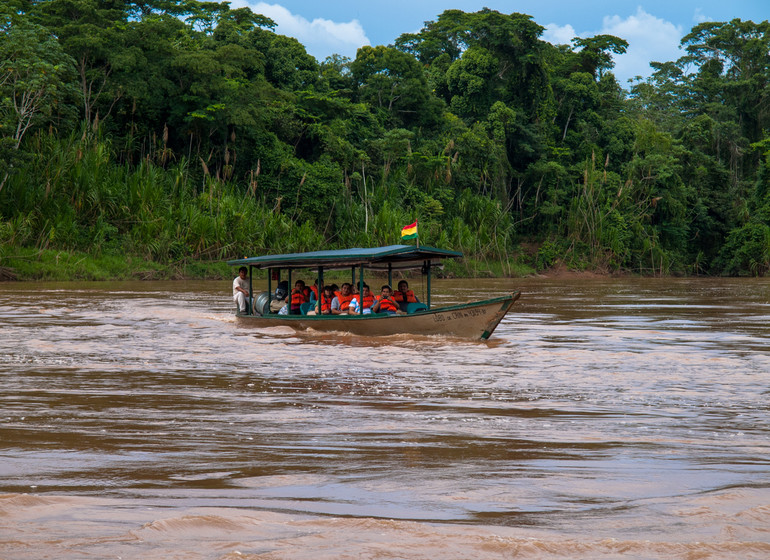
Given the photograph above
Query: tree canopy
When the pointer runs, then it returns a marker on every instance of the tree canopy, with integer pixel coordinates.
(186, 130)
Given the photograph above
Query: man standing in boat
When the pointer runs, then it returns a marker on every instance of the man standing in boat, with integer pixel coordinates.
(241, 290)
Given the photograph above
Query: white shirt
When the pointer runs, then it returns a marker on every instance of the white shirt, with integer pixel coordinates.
(239, 283)
(354, 306)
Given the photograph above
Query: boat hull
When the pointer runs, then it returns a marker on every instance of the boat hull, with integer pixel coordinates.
(476, 320)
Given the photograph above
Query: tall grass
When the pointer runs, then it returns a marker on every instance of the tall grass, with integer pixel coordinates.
(77, 196)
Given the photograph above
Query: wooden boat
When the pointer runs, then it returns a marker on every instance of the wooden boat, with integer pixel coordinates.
(474, 320)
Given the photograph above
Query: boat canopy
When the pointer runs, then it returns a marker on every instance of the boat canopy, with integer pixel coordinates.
(391, 257)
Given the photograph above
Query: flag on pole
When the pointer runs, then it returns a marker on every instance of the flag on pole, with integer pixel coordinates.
(409, 232)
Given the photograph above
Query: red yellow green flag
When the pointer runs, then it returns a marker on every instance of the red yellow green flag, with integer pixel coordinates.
(409, 232)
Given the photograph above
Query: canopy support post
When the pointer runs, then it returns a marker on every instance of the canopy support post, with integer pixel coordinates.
(428, 271)
(251, 292)
(289, 288)
(361, 290)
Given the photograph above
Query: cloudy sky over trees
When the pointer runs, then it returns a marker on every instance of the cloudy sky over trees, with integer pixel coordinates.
(652, 28)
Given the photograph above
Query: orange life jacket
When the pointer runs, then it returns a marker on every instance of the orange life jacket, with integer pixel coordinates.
(399, 297)
(386, 304)
(344, 300)
(313, 289)
(368, 301)
(326, 304)
(297, 297)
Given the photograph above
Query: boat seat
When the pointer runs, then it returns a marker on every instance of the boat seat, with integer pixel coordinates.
(415, 307)
(305, 307)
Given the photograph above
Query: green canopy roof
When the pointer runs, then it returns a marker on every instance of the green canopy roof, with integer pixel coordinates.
(397, 256)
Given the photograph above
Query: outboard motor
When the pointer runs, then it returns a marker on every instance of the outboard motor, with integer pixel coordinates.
(282, 290)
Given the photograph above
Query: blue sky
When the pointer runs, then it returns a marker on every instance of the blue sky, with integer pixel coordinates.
(653, 28)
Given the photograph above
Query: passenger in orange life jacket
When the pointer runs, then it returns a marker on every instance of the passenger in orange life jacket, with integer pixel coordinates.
(384, 303)
(368, 299)
(327, 296)
(341, 302)
(404, 295)
(313, 291)
(299, 295)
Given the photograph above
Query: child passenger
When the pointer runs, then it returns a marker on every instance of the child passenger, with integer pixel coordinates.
(327, 296)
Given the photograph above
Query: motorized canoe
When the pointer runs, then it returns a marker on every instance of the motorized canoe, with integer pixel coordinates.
(474, 320)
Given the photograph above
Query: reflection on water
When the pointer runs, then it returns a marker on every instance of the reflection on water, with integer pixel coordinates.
(605, 418)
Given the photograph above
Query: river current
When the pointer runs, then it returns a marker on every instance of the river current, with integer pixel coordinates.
(605, 418)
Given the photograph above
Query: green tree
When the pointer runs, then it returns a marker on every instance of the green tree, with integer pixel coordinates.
(90, 32)
(395, 84)
(595, 54)
(35, 77)
(471, 81)
(732, 59)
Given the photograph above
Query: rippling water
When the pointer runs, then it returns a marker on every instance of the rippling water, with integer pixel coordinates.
(606, 418)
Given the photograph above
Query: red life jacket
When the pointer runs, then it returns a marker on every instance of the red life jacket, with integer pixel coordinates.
(399, 297)
(326, 304)
(386, 304)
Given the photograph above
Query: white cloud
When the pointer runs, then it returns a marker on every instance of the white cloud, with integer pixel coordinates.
(321, 37)
(649, 39)
(699, 17)
(559, 34)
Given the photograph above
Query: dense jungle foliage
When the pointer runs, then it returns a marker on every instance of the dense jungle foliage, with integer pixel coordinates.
(181, 131)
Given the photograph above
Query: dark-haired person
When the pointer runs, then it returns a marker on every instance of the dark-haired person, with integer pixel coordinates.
(299, 295)
(367, 297)
(404, 296)
(384, 303)
(341, 302)
(241, 290)
(327, 297)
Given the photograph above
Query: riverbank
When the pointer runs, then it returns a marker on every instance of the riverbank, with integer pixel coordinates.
(30, 265)
(22, 264)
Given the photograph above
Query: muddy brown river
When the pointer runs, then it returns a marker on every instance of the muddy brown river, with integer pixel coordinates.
(606, 418)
